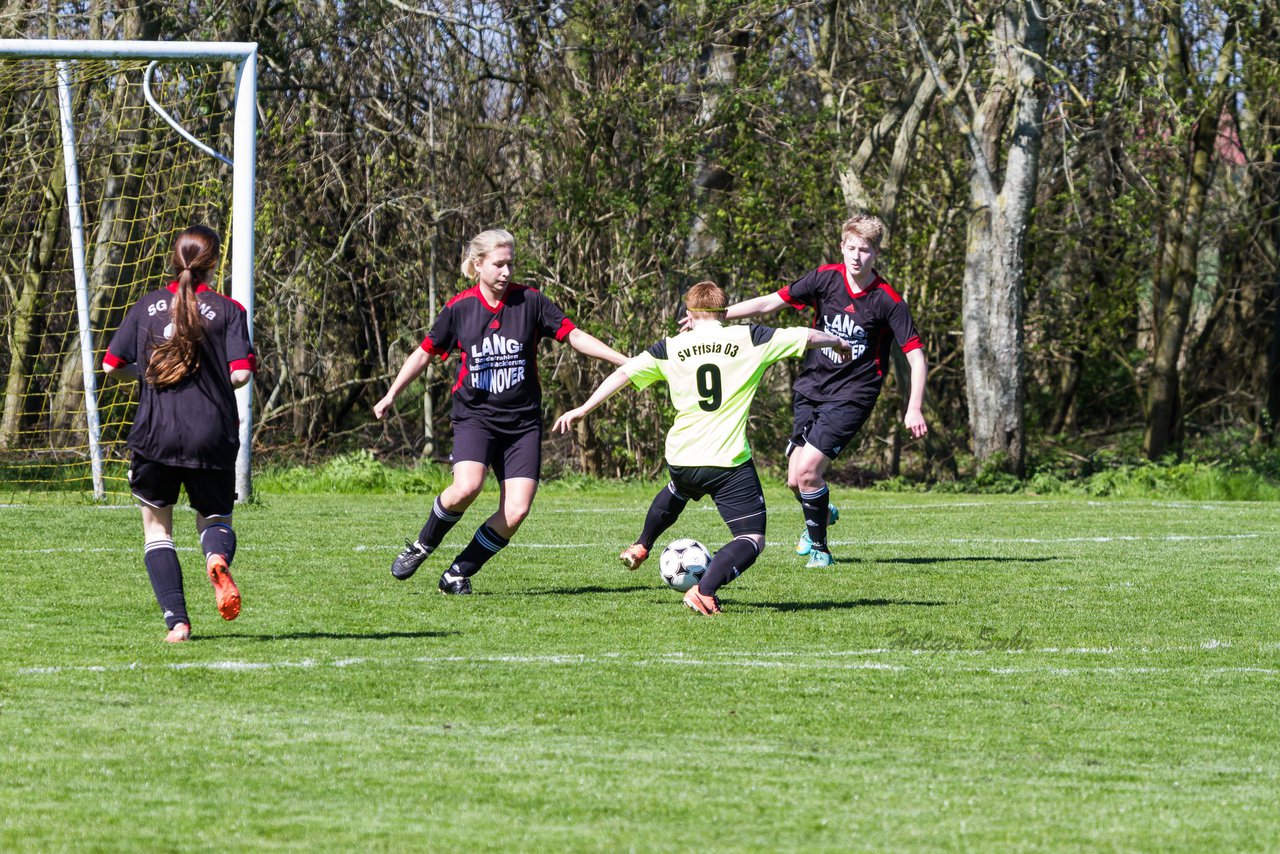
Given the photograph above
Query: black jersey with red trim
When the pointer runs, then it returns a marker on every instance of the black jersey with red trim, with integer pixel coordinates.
(869, 320)
(497, 380)
(193, 424)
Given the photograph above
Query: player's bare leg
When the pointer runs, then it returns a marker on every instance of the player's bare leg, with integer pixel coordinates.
(515, 498)
(446, 511)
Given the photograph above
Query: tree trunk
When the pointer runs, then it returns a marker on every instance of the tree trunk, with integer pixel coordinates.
(24, 331)
(1179, 251)
(994, 367)
(1008, 123)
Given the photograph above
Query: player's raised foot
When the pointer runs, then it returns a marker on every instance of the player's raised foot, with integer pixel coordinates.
(633, 556)
(805, 545)
(225, 592)
(818, 559)
(706, 605)
(180, 633)
(454, 584)
(408, 561)
(833, 514)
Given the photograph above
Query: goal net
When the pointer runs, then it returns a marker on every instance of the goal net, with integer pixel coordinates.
(103, 160)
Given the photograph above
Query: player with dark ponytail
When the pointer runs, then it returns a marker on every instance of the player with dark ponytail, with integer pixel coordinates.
(193, 347)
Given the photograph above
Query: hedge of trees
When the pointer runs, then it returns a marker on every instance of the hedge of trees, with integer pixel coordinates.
(1083, 201)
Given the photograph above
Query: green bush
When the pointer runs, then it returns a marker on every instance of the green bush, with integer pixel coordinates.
(357, 473)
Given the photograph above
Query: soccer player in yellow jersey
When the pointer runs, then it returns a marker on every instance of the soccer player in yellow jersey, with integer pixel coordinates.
(712, 372)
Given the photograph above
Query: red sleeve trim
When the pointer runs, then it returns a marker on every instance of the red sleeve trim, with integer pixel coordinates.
(913, 343)
(430, 349)
(249, 363)
(826, 268)
(111, 360)
(566, 326)
(785, 293)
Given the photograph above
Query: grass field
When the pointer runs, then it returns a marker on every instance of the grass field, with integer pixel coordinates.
(985, 673)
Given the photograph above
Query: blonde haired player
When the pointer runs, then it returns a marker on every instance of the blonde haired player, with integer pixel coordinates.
(832, 398)
(495, 325)
(712, 372)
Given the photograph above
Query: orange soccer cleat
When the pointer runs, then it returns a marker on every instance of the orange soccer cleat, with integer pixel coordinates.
(224, 589)
(706, 605)
(633, 556)
(180, 633)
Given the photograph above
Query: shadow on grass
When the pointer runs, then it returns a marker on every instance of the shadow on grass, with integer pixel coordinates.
(580, 591)
(836, 606)
(375, 636)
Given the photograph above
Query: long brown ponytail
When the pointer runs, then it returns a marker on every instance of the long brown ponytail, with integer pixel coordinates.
(194, 254)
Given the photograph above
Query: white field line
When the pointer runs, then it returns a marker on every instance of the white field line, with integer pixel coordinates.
(838, 660)
(995, 502)
(1011, 503)
(519, 544)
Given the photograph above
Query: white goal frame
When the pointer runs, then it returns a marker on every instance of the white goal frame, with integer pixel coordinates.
(243, 164)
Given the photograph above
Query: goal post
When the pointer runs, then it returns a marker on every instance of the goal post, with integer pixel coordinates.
(108, 152)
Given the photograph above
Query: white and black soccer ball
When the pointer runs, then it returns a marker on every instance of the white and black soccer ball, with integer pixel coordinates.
(683, 562)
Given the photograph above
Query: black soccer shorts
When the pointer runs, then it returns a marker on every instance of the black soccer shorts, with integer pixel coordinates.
(736, 492)
(212, 492)
(828, 425)
(508, 454)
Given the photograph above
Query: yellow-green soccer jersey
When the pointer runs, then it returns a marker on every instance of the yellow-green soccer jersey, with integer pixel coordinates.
(712, 372)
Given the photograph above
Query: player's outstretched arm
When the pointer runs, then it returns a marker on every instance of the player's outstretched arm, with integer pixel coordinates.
(612, 385)
(819, 340)
(409, 371)
(761, 306)
(589, 345)
(914, 420)
(240, 377)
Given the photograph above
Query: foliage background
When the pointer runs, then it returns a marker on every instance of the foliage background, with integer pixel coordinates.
(634, 148)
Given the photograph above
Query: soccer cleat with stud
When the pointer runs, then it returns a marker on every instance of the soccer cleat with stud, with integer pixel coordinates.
(225, 592)
(180, 633)
(454, 584)
(633, 556)
(818, 559)
(705, 605)
(805, 545)
(408, 561)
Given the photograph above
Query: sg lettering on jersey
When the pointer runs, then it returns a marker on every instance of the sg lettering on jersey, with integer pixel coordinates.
(163, 305)
(726, 348)
(845, 327)
(497, 365)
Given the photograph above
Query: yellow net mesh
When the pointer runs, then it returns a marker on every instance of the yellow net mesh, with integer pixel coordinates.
(141, 183)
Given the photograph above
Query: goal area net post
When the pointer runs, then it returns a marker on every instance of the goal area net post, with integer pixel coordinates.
(109, 150)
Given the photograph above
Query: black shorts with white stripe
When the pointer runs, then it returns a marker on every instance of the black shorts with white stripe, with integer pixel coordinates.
(735, 490)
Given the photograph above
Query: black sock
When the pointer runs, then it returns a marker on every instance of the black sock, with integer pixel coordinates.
(485, 544)
(817, 506)
(732, 560)
(663, 512)
(161, 560)
(219, 539)
(439, 523)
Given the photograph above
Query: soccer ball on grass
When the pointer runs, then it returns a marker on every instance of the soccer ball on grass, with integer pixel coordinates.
(683, 562)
